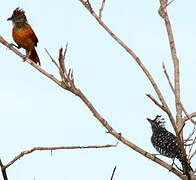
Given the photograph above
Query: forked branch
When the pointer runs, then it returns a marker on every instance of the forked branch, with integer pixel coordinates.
(88, 6)
(72, 88)
(163, 13)
(188, 116)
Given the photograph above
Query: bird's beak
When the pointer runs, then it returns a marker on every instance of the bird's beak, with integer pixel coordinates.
(149, 120)
(9, 19)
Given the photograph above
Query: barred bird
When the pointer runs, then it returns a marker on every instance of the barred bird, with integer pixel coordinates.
(164, 141)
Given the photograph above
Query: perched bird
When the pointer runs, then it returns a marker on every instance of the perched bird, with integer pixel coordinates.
(164, 141)
(24, 35)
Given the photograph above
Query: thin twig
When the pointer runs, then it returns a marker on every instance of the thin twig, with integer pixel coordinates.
(61, 58)
(155, 101)
(190, 144)
(191, 147)
(167, 76)
(192, 155)
(193, 141)
(62, 74)
(188, 116)
(53, 60)
(55, 148)
(113, 173)
(101, 9)
(192, 115)
(191, 134)
(3, 170)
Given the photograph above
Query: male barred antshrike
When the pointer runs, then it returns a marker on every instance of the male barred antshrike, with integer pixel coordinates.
(164, 141)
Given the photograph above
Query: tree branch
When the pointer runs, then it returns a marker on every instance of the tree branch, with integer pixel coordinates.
(101, 9)
(72, 88)
(168, 78)
(163, 13)
(155, 101)
(56, 148)
(113, 173)
(192, 155)
(192, 115)
(136, 58)
(3, 170)
(188, 116)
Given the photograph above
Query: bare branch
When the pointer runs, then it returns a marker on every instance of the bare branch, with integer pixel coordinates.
(53, 60)
(192, 155)
(188, 116)
(93, 110)
(87, 4)
(110, 130)
(39, 68)
(72, 88)
(164, 15)
(101, 9)
(123, 139)
(155, 101)
(193, 141)
(56, 148)
(191, 147)
(137, 60)
(3, 170)
(61, 58)
(167, 76)
(62, 74)
(191, 134)
(192, 115)
(113, 173)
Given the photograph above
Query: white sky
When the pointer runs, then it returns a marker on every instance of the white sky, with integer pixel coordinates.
(36, 112)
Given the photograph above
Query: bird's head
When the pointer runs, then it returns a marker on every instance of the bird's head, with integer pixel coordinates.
(156, 123)
(18, 16)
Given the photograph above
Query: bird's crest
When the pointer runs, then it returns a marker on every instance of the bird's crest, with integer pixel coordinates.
(160, 121)
(18, 12)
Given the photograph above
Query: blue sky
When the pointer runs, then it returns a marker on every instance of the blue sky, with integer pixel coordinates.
(36, 112)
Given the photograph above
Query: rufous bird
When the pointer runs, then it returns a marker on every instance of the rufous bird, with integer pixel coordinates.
(24, 35)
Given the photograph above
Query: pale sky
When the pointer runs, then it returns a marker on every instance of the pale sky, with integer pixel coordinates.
(36, 112)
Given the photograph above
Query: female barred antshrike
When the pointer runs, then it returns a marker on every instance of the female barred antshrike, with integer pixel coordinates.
(164, 141)
(24, 35)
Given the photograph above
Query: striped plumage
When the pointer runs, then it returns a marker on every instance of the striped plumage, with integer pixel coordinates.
(164, 141)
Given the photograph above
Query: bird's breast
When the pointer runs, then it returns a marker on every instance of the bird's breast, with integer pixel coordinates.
(23, 37)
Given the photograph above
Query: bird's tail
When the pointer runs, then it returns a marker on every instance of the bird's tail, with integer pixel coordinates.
(34, 56)
(185, 165)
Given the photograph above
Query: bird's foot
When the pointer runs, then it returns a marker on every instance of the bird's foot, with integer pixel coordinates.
(11, 45)
(174, 164)
(25, 57)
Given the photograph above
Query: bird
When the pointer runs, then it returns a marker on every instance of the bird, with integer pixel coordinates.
(24, 35)
(165, 142)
